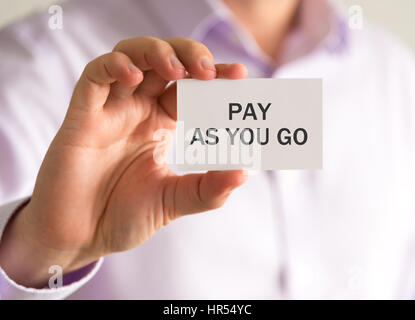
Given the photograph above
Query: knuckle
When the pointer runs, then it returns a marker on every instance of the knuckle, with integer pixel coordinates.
(120, 45)
(147, 39)
(197, 47)
(190, 45)
(158, 46)
(175, 39)
(116, 57)
(91, 65)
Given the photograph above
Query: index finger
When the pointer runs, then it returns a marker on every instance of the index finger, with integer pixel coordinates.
(150, 53)
(168, 100)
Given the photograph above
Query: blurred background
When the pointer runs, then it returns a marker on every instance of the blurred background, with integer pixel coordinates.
(394, 15)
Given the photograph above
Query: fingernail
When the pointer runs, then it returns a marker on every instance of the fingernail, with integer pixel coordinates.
(175, 62)
(207, 64)
(245, 70)
(133, 68)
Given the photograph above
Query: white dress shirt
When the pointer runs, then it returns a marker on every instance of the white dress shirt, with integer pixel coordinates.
(347, 231)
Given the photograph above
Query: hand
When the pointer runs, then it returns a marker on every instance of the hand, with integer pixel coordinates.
(99, 190)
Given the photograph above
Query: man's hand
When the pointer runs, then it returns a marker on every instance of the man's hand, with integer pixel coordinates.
(99, 189)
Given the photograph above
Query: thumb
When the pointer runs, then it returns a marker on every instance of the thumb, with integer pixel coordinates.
(195, 193)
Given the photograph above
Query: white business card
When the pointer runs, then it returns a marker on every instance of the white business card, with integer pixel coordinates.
(259, 124)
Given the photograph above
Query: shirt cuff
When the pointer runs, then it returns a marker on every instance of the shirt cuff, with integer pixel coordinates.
(10, 290)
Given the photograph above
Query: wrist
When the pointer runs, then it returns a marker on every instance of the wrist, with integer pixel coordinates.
(25, 259)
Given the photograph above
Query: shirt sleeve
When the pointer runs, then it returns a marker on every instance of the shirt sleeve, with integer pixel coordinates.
(10, 290)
